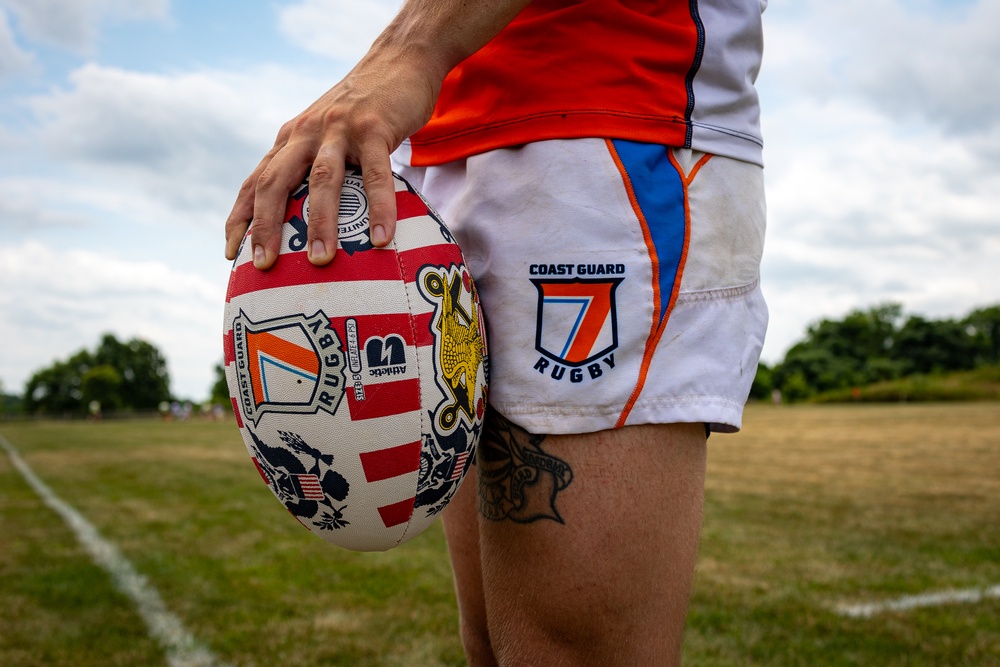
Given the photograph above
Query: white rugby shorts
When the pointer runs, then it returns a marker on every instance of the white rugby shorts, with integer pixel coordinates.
(619, 280)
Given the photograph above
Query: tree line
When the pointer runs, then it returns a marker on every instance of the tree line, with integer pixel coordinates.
(116, 376)
(865, 347)
(880, 344)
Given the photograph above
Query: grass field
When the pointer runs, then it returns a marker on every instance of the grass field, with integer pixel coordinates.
(808, 508)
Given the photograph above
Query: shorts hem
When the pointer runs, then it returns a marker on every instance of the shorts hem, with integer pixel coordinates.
(723, 415)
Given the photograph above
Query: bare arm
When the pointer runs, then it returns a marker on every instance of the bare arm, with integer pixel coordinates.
(388, 96)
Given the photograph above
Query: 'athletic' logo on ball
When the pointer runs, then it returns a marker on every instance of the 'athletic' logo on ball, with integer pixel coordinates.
(291, 364)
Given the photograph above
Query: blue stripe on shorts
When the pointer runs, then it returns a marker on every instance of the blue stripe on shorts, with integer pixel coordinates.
(659, 191)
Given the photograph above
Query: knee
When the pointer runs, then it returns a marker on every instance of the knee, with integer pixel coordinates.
(587, 645)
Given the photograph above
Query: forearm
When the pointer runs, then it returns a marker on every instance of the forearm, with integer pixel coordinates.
(442, 33)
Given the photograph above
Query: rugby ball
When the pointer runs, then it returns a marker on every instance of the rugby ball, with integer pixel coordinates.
(359, 387)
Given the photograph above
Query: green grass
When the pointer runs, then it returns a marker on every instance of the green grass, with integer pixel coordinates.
(56, 608)
(808, 507)
(185, 505)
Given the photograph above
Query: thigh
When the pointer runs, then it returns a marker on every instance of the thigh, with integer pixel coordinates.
(589, 542)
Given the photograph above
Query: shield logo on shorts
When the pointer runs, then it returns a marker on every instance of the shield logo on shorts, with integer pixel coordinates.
(577, 321)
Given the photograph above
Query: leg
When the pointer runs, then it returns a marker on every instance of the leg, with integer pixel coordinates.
(461, 527)
(589, 542)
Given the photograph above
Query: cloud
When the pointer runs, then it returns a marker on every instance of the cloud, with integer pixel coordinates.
(56, 302)
(338, 29)
(932, 62)
(73, 25)
(13, 59)
(25, 207)
(167, 148)
(942, 77)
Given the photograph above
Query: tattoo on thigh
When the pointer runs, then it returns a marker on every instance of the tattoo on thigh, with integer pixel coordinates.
(517, 479)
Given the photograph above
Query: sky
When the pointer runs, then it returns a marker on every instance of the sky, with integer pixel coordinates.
(127, 126)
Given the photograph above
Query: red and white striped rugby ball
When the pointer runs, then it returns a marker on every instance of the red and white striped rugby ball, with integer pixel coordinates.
(359, 387)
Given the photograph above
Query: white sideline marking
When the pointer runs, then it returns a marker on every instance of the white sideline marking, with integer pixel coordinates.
(182, 650)
(907, 602)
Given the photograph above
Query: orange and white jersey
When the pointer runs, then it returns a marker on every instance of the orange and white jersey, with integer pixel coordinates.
(669, 72)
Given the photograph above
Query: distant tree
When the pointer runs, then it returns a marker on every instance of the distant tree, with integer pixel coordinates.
(763, 383)
(877, 344)
(11, 404)
(839, 354)
(928, 346)
(983, 326)
(796, 388)
(130, 375)
(56, 389)
(862, 334)
(815, 369)
(8, 403)
(103, 384)
(145, 380)
(220, 389)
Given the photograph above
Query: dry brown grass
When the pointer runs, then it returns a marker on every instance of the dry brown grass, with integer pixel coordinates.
(812, 506)
(909, 452)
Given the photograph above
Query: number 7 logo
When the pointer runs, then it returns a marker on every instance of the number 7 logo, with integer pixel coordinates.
(577, 321)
